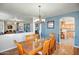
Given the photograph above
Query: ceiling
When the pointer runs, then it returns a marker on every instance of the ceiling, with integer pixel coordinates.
(31, 9)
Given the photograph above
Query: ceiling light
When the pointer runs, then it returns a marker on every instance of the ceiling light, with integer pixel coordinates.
(39, 17)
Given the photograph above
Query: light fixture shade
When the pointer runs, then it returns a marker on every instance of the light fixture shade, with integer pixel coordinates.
(43, 20)
(40, 21)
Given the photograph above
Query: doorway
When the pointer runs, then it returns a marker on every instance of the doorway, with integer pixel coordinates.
(36, 27)
(67, 34)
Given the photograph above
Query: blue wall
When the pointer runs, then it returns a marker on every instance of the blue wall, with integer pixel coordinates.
(46, 31)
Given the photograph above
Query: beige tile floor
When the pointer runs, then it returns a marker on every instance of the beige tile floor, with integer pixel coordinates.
(64, 50)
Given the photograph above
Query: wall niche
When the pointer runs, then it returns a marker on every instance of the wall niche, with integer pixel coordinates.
(10, 27)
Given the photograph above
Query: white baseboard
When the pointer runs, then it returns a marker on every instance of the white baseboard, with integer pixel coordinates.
(76, 46)
(7, 49)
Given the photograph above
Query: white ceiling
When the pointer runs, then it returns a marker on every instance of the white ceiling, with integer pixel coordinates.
(31, 9)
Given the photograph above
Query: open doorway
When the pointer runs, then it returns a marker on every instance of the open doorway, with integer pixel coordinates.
(36, 27)
(67, 34)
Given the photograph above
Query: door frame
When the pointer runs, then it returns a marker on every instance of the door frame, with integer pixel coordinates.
(60, 29)
(40, 26)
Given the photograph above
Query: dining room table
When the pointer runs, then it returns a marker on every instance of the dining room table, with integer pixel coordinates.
(36, 44)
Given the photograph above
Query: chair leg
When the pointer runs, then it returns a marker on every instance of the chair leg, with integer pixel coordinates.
(50, 51)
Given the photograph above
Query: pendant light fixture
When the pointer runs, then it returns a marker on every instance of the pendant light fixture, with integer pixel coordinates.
(40, 20)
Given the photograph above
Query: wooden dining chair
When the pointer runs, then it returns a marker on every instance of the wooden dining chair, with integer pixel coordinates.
(52, 45)
(45, 49)
(35, 36)
(28, 41)
(20, 49)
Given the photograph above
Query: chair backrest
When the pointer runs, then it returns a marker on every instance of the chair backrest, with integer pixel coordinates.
(46, 47)
(28, 36)
(35, 36)
(52, 42)
(19, 47)
(28, 40)
(52, 35)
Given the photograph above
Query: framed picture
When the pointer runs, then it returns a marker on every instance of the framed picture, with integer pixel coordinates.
(50, 24)
(20, 27)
